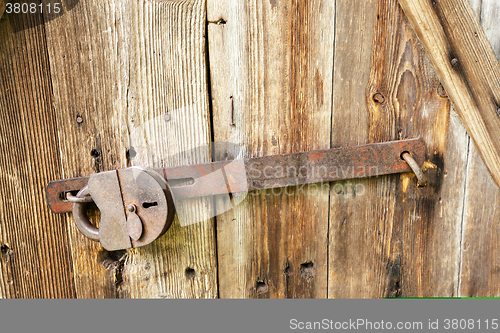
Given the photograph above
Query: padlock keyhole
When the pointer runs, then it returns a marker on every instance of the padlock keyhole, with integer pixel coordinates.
(149, 204)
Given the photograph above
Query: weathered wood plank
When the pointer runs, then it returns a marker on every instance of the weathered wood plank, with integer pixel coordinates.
(459, 50)
(168, 76)
(386, 235)
(119, 65)
(2, 7)
(89, 82)
(481, 236)
(35, 258)
(275, 60)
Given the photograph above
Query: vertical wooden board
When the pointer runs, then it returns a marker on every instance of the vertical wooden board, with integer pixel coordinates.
(89, 78)
(168, 78)
(389, 238)
(489, 21)
(35, 254)
(275, 60)
(481, 234)
(121, 64)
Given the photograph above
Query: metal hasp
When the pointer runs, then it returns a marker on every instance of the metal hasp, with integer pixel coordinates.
(137, 204)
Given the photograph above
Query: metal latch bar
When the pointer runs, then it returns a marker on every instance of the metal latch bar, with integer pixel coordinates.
(269, 172)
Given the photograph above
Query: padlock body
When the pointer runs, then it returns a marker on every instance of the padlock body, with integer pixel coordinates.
(114, 192)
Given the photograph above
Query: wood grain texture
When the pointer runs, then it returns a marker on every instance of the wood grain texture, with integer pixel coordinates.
(386, 235)
(481, 236)
(275, 59)
(2, 7)
(459, 50)
(35, 258)
(89, 81)
(121, 65)
(476, 6)
(168, 76)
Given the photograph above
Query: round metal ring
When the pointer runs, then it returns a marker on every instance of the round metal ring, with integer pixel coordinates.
(80, 216)
(421, 179)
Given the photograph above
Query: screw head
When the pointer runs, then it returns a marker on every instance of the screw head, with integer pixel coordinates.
(131, 208)
(167, 117)
(79, 119)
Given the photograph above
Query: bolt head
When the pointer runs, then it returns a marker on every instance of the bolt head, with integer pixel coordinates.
(131, 208)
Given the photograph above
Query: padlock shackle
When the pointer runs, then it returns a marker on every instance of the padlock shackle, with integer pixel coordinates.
(80, 216)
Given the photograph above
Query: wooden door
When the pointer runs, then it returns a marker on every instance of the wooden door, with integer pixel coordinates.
(299, 75)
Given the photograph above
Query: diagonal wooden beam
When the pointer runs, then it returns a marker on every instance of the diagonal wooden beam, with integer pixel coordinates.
(462, 56)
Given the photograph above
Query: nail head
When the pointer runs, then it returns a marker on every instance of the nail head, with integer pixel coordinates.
(442, 92)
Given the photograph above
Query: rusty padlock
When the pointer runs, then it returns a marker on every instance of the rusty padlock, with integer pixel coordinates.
(136, 207)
